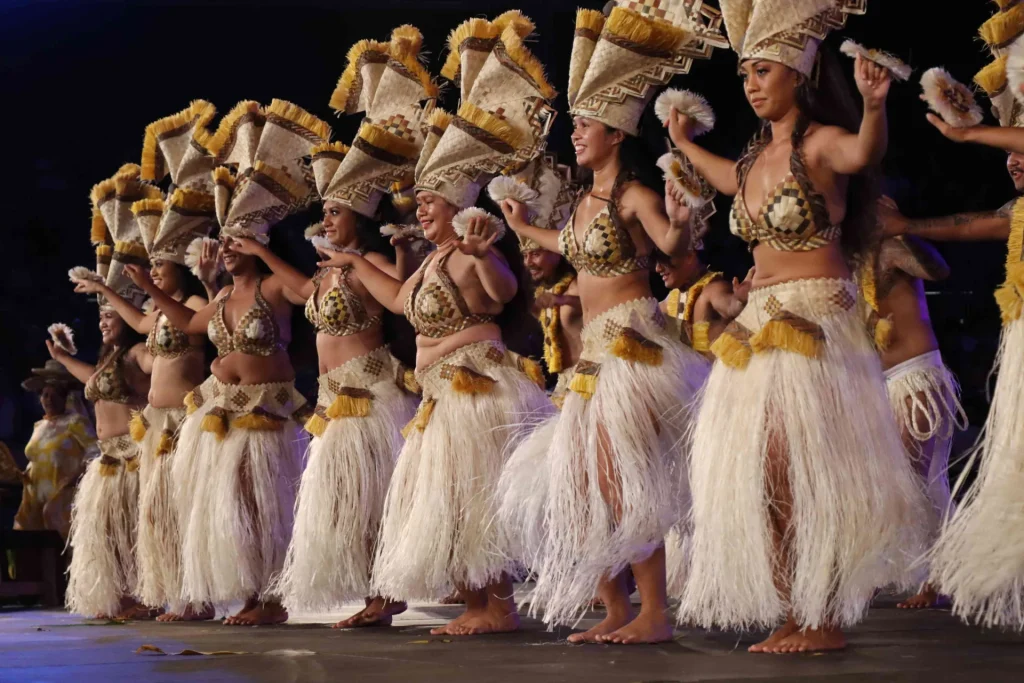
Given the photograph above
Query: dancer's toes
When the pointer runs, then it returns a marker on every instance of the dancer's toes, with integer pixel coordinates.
(378, 613)
(770, 644)
(812, 640)
(927, 598)
(609, 624)
(648, 627)
(488, 621)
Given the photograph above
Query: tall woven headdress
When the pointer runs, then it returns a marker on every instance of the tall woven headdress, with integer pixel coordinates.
(267, 147)
(504, 116)
(618, 62)
(785, 31)
(387, 82)
(1001, 79)
(116, 232)
(171, 147)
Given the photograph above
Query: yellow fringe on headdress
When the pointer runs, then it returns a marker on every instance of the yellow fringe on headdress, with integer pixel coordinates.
(487, 121)
(190, 403)
(104, 251)
(519, 54)
(1003, 28)
(350, 406)
(406, 39)
(192, 200)
(166, 444)
(98, 234)
(137, 427)
(992, 77)
(214, 142)
(300, 117)
(316, 425)
(259, 422)
(468, 381)
(472, 28)
(732, 346)
(296, 188)
(788, 332)
(421, 419)
(340, 96)
(652, 34)
(222, 175)
(215, 422)
(102, 191)
(381, 138)
(134, 249)
(632, 346)
(522, 24)
(701, 337)
(152, 163)
(439, 119)
(109, 469)
(404, 47)
(330, 148)
(148, 206)
(583, 384)
(589, 20)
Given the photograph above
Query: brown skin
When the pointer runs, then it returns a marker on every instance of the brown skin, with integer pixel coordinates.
(483, 277)
(719, 302)
(831, 155)
(543, 267)
(54, 402)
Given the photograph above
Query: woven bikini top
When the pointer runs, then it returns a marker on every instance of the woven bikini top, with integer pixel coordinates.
(167, 341)
(257, 333)
(340, 311)
(607, 249)
(436, 307)
(110, 382)
(784, 222)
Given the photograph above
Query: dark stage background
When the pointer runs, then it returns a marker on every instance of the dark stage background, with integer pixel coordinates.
(81, 80)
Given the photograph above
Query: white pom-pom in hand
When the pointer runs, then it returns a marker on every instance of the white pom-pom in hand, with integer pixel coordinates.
(80, 273)
(313, 230)
(462, 218)
(63, 337)
(194, 254)
(899, 69)
(695, 189)
(505, 187)
(689, 104)
(949, 98)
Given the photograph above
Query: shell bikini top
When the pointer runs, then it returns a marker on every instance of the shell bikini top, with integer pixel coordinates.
(167, 341)
(340, 312)
(436, 307)
(784, 222)
(607, 249)
(256, 334)
(110, 382)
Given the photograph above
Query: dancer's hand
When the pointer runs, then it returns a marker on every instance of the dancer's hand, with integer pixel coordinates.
(545, 300)
(680, 127)
(479, 238)
(209, 263)
(873, 81)
(56, 353)
(140, 276)
(335, 259)
(249, 247)
(950, 132)
(90, 287)
(516, 213)
(675, 204)
(893, 222)
(741, 290)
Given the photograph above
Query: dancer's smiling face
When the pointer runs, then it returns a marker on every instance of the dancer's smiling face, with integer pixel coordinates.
(339, 223)
(541, 264)
(111, 326)
(167, 275)
(770, 87)
(1015, 167)
(235, 262)
(435, 214)
(594, 142)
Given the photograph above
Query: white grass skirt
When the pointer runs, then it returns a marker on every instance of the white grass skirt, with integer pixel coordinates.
(104, 517)
(359, 417)
(629, 398)
(979, 559)
(440, 526)
(924, 396)
(807, 374)
(158, 548)
(235, 473)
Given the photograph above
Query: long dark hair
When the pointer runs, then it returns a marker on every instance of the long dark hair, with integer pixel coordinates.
(829, 103)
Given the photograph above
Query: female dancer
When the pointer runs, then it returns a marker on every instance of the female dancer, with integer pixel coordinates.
(813, 504)
(240, 448)
(612, 469)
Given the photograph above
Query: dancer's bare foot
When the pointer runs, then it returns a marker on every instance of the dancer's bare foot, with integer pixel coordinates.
(651, 626)
(490, 620)
(249, 606)
(454, 599)
(378, 612)
(777, 636)
(811, 640)
(263, 614)
(453, 626)
(132, 610)
(611, 623)
(190, 613)
(928, 597)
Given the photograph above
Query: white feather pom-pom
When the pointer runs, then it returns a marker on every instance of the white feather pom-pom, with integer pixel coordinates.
(81, 273)
(689, 104)
(63, 337)
(696, 191)
(462, 218)
(899, 69)
(320, 242)
(313, 230)
(1015, 70)
(949, 98)
(194, 254)
(506, 187)
(412, 231)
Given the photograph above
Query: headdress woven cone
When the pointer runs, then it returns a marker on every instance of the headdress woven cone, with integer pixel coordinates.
(785, 31)
(384, 80)
(618, 62)
(116, 231)
(1001, 78)
(171, 147)
(272, 179)
(504, 117)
